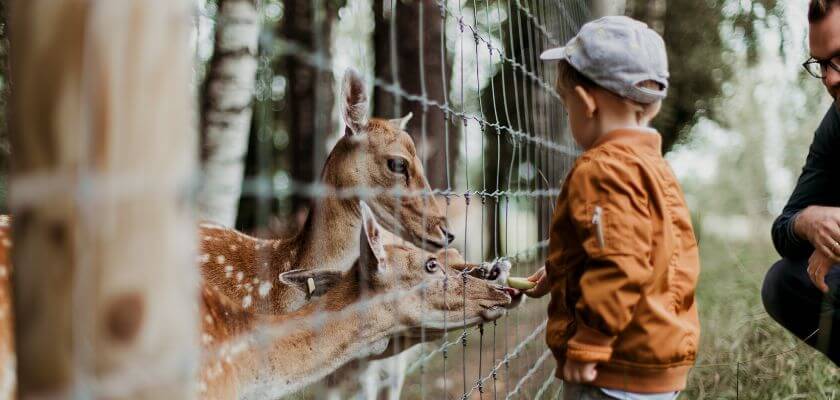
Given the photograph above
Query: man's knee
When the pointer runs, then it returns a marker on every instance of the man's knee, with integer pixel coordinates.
(771, 286)
(778, 280)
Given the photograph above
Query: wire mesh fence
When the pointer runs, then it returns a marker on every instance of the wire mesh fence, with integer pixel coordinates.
(493, 140)
(490, 129)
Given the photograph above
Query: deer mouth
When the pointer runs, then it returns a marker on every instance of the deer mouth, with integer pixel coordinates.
(492, 313)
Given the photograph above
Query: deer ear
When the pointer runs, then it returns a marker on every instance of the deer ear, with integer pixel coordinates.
(313, 283)
(372, 251)
(354, 106)
(401, 123)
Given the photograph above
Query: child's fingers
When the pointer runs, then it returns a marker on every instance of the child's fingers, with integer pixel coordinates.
(537, 276)
(540, 290)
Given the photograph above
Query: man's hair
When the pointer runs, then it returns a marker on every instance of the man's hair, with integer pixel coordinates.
(818, 9)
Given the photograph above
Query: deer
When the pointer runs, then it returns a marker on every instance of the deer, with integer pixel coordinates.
(373, 153)
(390, 290)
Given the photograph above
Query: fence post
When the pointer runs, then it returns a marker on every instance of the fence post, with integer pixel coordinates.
(103, 149)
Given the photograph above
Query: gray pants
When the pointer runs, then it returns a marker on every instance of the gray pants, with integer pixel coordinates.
(573, 391)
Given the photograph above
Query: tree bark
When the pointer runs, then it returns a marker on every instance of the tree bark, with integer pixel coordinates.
(105, 285)
(227, 109)
(310, 97)
(415, 52)
(602, 8)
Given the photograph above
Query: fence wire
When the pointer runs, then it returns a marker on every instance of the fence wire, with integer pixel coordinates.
(502, 114)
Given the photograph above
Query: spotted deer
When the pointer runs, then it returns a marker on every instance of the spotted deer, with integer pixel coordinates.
(390, 290)
(374, 154)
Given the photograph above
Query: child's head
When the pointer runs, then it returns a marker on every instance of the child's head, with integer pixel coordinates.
(613, 74)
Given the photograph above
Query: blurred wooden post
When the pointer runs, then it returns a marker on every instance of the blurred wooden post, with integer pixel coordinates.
(104, 149)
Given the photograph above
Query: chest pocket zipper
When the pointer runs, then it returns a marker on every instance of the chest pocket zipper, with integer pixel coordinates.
(597, 221)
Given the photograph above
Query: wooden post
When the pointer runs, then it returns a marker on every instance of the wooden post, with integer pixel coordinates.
(103, 154)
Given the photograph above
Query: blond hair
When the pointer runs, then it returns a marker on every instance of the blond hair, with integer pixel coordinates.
(568, 78)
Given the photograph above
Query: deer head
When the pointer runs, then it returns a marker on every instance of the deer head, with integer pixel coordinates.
(379, 154)
(435, 292)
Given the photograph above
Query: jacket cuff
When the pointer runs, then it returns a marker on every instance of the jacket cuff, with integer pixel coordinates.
(590, 345)
(791, 232)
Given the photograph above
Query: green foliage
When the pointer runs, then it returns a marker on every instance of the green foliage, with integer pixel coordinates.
(698, 53)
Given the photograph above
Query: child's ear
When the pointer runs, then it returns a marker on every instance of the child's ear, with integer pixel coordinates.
(585, 97)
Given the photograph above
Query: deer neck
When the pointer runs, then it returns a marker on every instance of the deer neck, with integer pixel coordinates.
(330, 236)
(307, 354)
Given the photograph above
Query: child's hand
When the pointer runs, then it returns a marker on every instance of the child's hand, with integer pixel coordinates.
(579, 372)
(542, 287)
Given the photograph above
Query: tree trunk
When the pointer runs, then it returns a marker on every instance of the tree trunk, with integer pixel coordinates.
(416, 30)
(309, 97)
(602, 8)
(227, 108)
(105, 280)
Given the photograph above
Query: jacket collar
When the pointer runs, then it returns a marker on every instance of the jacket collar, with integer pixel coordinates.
(641, 139)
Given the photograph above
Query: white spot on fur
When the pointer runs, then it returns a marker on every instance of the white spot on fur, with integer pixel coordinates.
(239, 276)
(228, 271)
(208, 318)
(255, 281)
(233, 247)
(3, 271)
(265, 287)
(206, 338)
(7, 242)
(220, 259)
(204, 258)
(246, 301)
(275, 245)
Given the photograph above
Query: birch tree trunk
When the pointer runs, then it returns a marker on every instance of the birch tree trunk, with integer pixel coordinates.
(105, 284)
(602, 8)
(227, 109)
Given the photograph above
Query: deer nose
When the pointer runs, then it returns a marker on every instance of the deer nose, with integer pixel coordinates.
(449, 236)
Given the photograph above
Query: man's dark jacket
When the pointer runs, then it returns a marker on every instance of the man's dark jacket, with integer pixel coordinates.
(818, 185)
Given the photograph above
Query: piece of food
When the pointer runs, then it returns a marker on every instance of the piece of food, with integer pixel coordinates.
(520, 283)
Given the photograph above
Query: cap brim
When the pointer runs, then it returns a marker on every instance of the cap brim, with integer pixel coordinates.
(557, 53)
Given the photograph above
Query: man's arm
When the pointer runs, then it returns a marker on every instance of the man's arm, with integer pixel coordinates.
(817, 186)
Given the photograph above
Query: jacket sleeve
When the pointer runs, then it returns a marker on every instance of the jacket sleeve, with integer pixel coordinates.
(610, 210)
(817, 185)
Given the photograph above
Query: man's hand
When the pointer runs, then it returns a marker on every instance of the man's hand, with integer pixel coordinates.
(818, 266)
(579, 372)
(542, 287)
(821, 226)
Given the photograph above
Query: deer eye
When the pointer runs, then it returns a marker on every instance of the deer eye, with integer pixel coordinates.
(398, 165)
(432, 265)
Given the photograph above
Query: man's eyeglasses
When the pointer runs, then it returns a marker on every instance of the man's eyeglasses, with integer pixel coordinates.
(819, 68)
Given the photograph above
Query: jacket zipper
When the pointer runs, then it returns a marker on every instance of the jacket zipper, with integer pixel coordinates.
(599, 230)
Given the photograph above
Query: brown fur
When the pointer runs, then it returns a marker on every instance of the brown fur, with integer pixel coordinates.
(238, 364)
(238, 264)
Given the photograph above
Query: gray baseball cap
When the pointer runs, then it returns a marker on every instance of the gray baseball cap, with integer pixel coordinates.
(618, 53)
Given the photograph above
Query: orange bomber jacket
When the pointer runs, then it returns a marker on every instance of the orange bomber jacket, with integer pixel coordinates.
(623, 264)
